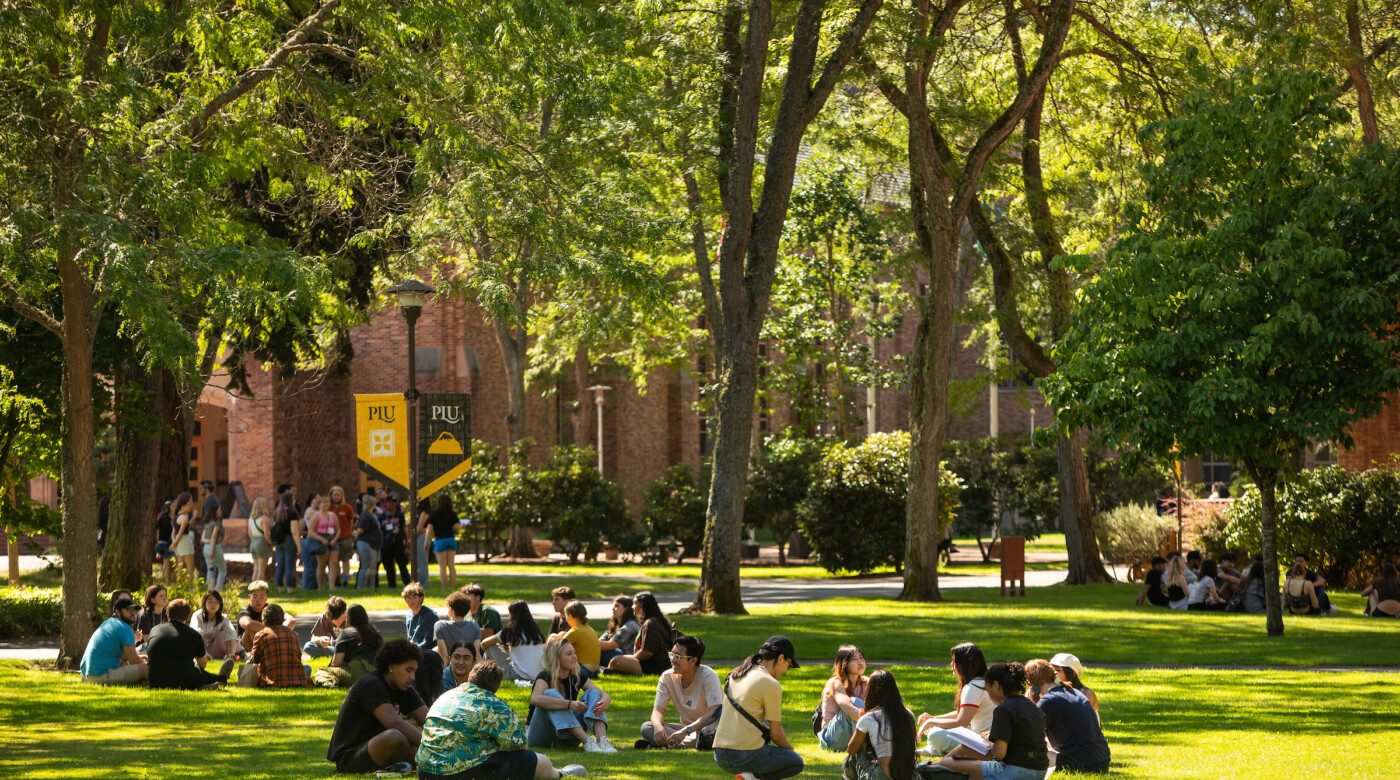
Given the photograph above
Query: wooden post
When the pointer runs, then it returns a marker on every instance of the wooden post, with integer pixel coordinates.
(1013, 564)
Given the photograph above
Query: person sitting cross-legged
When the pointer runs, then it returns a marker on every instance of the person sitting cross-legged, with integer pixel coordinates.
(110, 658)
(696, 691)
(565, 706)
(379, 723)
(843, 697)
(252, 620)
(1017, 734)
(470, 734)
(883, 740)
(1071, 725)
(327, 629)
(277, 653)
(456, 629)
(460, 663)
(176, 654)
(355, 651)
(582, 637)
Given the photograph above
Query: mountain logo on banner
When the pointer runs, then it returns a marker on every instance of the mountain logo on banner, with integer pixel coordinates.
(444, 440)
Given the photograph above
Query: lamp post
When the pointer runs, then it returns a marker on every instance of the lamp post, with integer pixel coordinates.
(598, 401)
(410, 296)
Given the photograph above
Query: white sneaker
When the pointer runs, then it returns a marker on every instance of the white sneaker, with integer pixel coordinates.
(1334, 610)
(592, 746)
(573, 770)
(745, 776)
(606, 746)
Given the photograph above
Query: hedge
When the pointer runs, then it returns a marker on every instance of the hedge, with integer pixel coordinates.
(28, 612)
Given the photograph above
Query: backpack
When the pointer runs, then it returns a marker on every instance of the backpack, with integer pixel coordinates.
(281, 528)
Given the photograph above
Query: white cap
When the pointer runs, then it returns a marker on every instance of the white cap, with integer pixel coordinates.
(1067, 660)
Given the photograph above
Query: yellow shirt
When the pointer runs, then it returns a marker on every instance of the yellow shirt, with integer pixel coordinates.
(762, 697)
(585, 642)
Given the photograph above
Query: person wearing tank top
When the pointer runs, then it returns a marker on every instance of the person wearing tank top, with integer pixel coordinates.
(843, 696)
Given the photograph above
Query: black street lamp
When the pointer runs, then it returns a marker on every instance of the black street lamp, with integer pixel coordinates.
(410, 296)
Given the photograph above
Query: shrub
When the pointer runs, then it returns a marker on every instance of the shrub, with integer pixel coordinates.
(673, 510)
(854, 510)
(497, 496)
(1131, 534)
(779, 477)
(581, 510)
(28, 612)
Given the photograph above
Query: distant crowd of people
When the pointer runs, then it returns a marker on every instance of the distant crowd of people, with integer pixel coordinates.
(428, 703)
(1196, 583)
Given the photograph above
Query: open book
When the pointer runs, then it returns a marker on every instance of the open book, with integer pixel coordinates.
(972, 739)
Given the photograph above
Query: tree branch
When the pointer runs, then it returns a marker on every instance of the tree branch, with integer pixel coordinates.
(29, 311)
(884, 83)
(339, 52)
(1155, 80)
(837, 61)
(1024, 348)
(254, 76)
(698, 243)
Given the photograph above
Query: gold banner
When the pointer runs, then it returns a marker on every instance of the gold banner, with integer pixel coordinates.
(381, 425)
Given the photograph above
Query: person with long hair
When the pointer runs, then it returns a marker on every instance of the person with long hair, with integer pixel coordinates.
(1017, 733)
(182, 544)
(460, 662)
(286, 531)
(843, 696)
(883, 740)
(974, 709)
(152, 613)
(1251, 588)
(653, 643)
(214, 627)
(310, 548)
(1383, 595)
(444, 524)
(354, 651)
(1070, 672)
(216, 568)
(522, 641)
(1071, 724)
(750, 741)
(369, 537)
(344, 548)
(165, 529)
(1178, 589)
(324, 530)
(1300, 595)
(620, 638)
(1205, 596)
(566, 707)
(260, 537)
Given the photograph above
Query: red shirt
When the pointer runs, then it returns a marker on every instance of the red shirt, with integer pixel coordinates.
(344, 515)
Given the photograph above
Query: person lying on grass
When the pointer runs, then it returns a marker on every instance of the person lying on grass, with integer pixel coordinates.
(974, 709)
(565, 706)
(470, 733)
(1017, 733)
(695, 690)
(110, 658)
(176, 654)
(883, 740)
(1071, 725)
(843, 696)
(380, 721)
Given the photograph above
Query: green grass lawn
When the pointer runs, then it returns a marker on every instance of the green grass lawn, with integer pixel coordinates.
(1186, 724)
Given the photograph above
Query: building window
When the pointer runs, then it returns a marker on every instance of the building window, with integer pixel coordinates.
(194, 454)
(197, 428)
(1324, 454)
(194, 474)
(704, 436)
(1215, 469)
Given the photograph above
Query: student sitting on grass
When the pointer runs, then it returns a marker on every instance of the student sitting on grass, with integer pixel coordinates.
(1252, 588)
(1227, 577)
(1205, 597)
(1071, 724)
(560, 597)
(220, 640)
(460, 662)
(883, 740)
(620, 638)
(582, 637)
(1383, 595)
(1017, 733)
(277, 653)
(470, 734)
(151, 615)
(418, 624)
(1324, 603)
(1154, 586)
(565, 706)
(843, 696)
(456, 629)
(750, 740)
(653, 643)
(695, 690)
(1178, 589)
(327, 629)
(522, 641)
(974, 709)
(489, 621)
(176, 654)
(110, 658)
(251, 622)
(1069, 671)
(355, 651)
(1299, 595)
(379, 723)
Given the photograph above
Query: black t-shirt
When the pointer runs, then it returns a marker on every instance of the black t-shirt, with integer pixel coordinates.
(1020, 724)
(1387, 589)
(247, 612)
(171, 654)
(353, 647)
(370, 532)
(165, 528)
(1073, 729)
(571, 686)
(148, 619)
(356, 724)
(1155, 595)
(655, 637)
(444, 523)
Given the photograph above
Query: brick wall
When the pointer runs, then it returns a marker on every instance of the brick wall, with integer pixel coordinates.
(1376, 439)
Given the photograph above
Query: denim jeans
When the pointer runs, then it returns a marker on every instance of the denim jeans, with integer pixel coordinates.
(318, 651)
(837, 734)
(769, 762)
(308, 567)
(858, 766)
(216, 571)
(422, 553)
(285, 557)
(550, 728)
(369, 564)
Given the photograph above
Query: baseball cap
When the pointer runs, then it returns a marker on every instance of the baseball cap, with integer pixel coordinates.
(124, 603)
(1069, 661)
(783, 647)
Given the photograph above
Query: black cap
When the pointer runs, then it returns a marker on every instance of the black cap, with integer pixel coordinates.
(123, 603)
(783, 647)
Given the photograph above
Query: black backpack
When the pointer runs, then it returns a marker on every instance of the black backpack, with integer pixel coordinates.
(280, 529)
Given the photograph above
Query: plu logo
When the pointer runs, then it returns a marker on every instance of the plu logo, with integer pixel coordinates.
(383, 413)
(452, 415)
(382, 444)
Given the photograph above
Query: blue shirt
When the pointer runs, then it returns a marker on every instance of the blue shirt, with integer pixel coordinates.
(448, 681)
(107, 647)
(419, 628)
(1073, 729)
(466, 726)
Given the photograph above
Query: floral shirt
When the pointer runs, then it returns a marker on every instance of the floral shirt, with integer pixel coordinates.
(466, 726)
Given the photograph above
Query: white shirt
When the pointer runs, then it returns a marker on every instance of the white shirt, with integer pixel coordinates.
(1200, 591)
(877, 732)
(974, 694)
(704, 694)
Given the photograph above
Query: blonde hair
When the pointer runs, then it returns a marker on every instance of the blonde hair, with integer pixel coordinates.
(1176, 572)
(257, 585)
(259, 508)
(553, 649)
(334, 489)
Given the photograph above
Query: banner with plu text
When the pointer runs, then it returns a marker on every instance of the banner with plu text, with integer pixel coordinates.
(444, 440)
(381, 425)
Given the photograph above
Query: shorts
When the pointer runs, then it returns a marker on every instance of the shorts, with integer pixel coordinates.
(126, 674)
(443, 545)
(1380, 614)
(346, 548)
(505, 765)
(311, 546)
(356, 761)
(162, 550)
(259, 547)
(184, 547)
(997, 770)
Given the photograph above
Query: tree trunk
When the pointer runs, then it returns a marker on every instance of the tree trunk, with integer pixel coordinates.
(130, 548)
(928, 426)
(512, 342)
(79, 477)
(1077, 513)
(173, 473)
(1267, 480)
(1356, 69)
